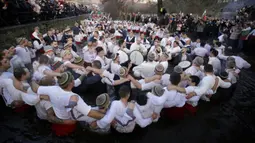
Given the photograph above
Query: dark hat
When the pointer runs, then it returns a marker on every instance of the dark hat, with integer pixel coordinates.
(65, 79)
(103, 100)
(158, 90)
(78, 60)
(56, 65)
(223, 75)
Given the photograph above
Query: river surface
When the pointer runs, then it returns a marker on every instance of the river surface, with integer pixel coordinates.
(229, 121)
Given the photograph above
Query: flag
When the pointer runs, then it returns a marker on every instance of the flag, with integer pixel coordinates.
(204, 13)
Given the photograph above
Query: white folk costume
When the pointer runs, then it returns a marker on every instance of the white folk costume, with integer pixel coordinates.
(146, 69)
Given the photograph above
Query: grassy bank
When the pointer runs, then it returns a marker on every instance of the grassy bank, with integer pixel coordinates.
(9, 34)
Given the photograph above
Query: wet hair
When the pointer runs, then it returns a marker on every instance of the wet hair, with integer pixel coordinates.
(195, 79)
(94, 40)
(44, 59)
(218, 44)
(97, 64)
(99, 49)
(18, 72)
(175, 78)
(214, 52)
(53, 42)
(141, 100)
(120, 42)
(96, 32)
(124, 91)
(176, 43)
(202, 44)
(208, 68)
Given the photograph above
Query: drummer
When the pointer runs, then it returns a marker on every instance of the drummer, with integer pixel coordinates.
(105, 62)
(146, 69)
(89, 54)
(138, 46)
(195, 69)
(130, 39)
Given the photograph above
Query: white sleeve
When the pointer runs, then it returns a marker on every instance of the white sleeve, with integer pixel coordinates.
(37, 45)
(44, 90)
(203, 88)
(77, 82)
(82, 107)
(140, 120)
(224, 84)
(189, 89)
(158, 100)
(246, 65)
(108, 118)
(148, 86)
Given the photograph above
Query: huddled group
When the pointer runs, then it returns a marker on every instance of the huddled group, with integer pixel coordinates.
(124, 65)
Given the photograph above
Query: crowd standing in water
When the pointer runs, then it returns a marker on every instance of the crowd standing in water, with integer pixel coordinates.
(124, 65)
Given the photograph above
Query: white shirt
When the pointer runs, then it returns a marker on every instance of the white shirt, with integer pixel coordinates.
(175, 50)
(37, 46)
(39, 73)
(165, 65)
(206, 84)
(170, 99)
(143, 114)
(88, 56)
(146, 69)
(23, 54)
(137, 47)
(116, 111)
(60, 99)
(115, 68)
(215, 62)
(200, 51)
(241, 63)
(104, 62)
(194, 71)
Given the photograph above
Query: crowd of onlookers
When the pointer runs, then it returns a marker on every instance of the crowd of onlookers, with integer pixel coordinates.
(15, 12)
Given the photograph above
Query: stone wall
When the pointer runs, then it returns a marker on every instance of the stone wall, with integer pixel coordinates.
(9, 34)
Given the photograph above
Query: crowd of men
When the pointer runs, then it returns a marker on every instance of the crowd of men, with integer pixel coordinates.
(14, 12)
(125, 65)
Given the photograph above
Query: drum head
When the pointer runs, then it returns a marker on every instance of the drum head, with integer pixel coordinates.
(136, 57)
(123, 57)
(184, 64)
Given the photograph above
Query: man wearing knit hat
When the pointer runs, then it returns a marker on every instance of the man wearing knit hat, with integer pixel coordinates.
(64, 100)
(102, 105)
(148, 83)
(170, 98)
(146, 69)
(124, 123)
(195, 68)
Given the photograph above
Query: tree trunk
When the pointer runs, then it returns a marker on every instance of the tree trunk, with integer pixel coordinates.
(160, 5)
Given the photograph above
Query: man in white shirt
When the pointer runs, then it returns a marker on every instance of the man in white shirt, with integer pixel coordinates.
(200, 51)
(146, 69)
(240, 62)
(116, 114)
(64, 100)
(206, 84)
(214, 61)
(195, 68)
(138, 46)
(23, 52)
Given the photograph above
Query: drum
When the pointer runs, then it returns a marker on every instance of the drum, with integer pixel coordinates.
(123, 56)
(184, 64)
(136, 57)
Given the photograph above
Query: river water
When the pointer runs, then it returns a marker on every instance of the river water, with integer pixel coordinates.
(230, 121)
